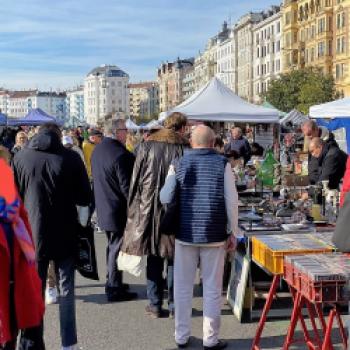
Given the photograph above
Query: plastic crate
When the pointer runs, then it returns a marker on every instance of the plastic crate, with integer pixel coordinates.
(319, 278)
(323, 291)
(272, 260)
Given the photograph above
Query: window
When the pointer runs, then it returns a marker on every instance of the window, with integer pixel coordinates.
(278, 27)
(339, 71)
(340, 20)
(321, 25)
(340, 46)
(321, 49)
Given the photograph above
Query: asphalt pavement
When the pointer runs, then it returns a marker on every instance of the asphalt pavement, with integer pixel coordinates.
(124, 325)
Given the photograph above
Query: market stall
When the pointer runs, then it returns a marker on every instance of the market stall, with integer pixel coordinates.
(3, 119)
(35, 116)
(335, 116)
(215, 102)
(130, 125)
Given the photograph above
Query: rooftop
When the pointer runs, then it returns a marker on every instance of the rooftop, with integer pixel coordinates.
(108, 71)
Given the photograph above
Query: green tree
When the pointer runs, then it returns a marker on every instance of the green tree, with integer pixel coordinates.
(301, 89)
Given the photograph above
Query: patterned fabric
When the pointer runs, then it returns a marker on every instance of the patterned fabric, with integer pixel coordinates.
(200, 178)
(10, 213)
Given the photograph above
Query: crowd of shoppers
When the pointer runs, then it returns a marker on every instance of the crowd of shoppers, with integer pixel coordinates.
(119, 177)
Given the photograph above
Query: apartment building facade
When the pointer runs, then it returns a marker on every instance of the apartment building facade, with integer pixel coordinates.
(75, 106)
(316, 34)
(144, 99)
(170, 82)
(106, 94)
(267, 47)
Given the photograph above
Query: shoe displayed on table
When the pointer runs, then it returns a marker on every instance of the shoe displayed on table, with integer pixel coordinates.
(121, 296)
(51, 296)
(152, 312)
(220, 345)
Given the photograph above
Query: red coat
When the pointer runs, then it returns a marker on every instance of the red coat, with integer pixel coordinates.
(346, 183)
(29, 303)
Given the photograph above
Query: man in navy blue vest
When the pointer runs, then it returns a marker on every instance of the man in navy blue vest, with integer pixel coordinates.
(208, 206)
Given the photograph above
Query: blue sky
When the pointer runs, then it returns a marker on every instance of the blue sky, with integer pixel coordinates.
(54, 44)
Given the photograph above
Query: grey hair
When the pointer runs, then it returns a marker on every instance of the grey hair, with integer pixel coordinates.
(317, 142)
(203, 136)
(110, 132)
(238, 129)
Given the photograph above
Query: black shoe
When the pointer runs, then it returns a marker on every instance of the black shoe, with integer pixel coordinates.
(220, 345)
(182, 346)
(123, 296)
(126, 286)
(152, 312)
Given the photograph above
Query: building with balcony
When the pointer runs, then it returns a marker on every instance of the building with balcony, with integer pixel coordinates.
(75, 106)
(226, 57)
(17, 104)
(205, 64)
(144, 100)
(170, 77)
(341, 45)
(243, 34)
(189, 84)
(106, 94)
(316, 34)
(267, 36)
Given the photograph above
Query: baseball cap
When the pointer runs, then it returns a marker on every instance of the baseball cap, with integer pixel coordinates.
(95, 132)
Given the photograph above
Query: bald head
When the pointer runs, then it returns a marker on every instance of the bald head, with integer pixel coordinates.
(316, 147)
(202, 137)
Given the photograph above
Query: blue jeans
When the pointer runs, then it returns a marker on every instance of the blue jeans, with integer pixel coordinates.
(155, 282)
(65, 272)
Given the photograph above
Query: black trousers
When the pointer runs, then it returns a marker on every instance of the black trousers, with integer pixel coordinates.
(114, 278)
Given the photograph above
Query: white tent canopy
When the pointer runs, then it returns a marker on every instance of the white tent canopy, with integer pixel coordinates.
(294, 117)
(152, 125)
(216, 102)
(130, 125)
(335, 109)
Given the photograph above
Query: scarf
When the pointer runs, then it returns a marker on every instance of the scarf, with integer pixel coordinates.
(9, 213)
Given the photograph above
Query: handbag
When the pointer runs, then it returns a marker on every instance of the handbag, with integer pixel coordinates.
(170, 217)
(86, 255)
(341, 236)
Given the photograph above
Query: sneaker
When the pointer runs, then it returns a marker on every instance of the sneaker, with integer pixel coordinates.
(123, 296)
(152, 312)
(219, 346)
(172, 313)
(51, 296)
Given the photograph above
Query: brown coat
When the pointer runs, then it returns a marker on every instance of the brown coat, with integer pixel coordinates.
(141, 235)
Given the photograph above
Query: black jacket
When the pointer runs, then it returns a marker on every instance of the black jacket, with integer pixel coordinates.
(313, 163)
(111, 165)
(52, 181)
(142, 236)
(332, 165)
(241, 146)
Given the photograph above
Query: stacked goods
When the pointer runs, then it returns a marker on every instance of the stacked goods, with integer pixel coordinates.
(319, 278)
(325, 237)
(269, 251)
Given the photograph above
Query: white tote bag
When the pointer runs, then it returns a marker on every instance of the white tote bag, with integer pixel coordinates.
(130, 263)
